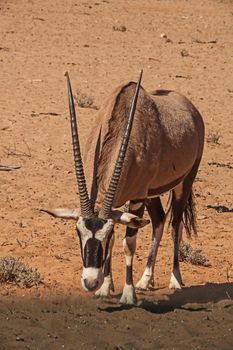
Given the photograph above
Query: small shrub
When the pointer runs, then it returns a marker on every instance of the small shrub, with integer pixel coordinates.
(193, 256)
(119, 28)
(213, 137)
(14, 271)
(85, 101)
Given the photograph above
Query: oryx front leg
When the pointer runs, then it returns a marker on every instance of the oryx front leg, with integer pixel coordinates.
(128, 295)
(129, 245)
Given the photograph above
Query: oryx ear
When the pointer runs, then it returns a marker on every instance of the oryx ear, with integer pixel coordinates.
(129, 219)
(64, 213)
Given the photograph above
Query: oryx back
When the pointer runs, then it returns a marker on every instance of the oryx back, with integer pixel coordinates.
(165, 142)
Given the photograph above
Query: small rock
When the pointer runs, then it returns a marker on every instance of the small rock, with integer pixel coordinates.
(201, 217)
(119, 28)
(184, 53)
(163, 35)
(18, 338)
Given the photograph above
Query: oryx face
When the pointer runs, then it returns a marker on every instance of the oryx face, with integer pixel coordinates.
(95, 235)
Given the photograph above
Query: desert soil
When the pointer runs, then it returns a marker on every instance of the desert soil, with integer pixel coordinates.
(182, 45)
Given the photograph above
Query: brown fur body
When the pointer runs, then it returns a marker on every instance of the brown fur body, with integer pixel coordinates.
(166, 142)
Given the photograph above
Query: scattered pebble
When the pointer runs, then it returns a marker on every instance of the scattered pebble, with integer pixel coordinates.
(164, 36)
(184, 53)
(18, 338)
(119, 28)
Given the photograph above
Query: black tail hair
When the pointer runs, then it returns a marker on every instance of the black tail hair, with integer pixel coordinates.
(189, 214)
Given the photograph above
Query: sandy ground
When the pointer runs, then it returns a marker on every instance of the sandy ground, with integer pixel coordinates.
(182, 45)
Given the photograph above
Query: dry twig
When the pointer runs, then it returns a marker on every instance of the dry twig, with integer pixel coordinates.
(9, 167)
(17, 153)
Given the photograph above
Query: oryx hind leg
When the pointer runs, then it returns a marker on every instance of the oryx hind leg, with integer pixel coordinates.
(157, 215)
(182, 208)
(129, 245)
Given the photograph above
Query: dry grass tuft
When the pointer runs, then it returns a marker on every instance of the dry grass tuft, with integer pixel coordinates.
(14, 271)
(213, 137)
(193, 256)
(85, 101)
(119, 28)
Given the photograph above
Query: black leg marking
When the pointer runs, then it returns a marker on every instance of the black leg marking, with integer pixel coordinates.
(129, 275)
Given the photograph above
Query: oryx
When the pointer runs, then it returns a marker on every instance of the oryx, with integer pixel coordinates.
(141, 146)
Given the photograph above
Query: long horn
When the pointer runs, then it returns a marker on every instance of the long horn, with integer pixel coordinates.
(85, 204)
(105, 211)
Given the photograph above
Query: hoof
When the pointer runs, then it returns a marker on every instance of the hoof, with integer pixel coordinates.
(105, 289)
(102, 293)
(128, 296)
(145, 282)
(142, 284)
(176, 281)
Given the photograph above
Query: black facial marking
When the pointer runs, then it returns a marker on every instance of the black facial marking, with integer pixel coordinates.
(93, 253)
(95, 224)
(81, 245)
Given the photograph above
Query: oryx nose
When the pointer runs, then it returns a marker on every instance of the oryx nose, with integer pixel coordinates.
(91, 284)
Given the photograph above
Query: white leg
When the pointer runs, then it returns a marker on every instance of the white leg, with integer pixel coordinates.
(176, 280)
(106, 287)
(129, 295)
(146, 279)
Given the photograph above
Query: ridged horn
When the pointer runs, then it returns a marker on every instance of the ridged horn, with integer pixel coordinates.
(85, 204)
(105, 211)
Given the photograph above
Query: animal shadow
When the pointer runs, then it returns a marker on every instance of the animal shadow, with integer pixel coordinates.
(195, 298)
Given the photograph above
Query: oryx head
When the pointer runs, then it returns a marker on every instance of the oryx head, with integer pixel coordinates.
(96, 229)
